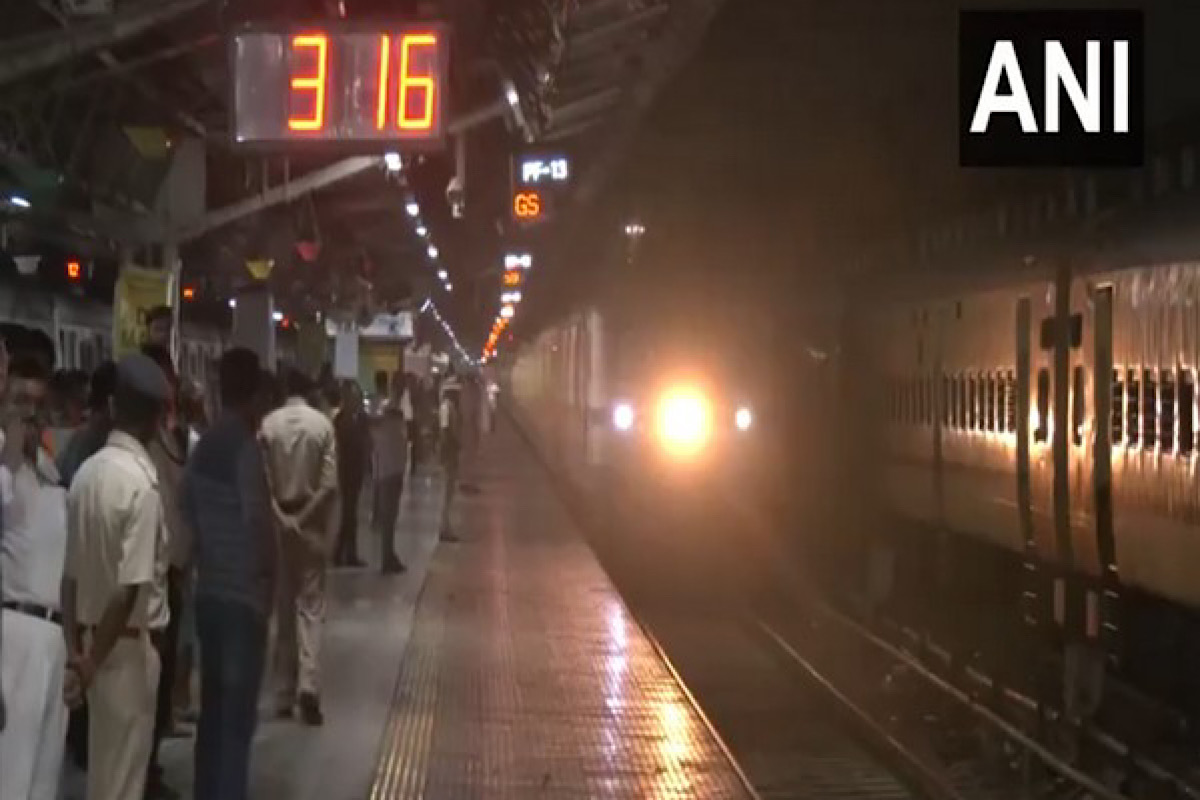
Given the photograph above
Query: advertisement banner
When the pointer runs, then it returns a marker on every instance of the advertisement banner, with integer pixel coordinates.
(138, 291)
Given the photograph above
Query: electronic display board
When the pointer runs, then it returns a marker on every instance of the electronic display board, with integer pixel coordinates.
(338, 84)
(536, 169)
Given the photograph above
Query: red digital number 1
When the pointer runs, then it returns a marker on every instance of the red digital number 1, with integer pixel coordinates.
(426, 84)
(312, 83)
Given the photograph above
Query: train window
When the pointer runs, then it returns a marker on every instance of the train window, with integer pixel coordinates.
(1149, 408)
(1118, 408)
(1166, 410)
(990, 418)
(1041, 433)
(1010, 398)
(1187, 412)
(972, 403)
(1133, 405)
(960, 383)
(947, 400)
(1078, 406)
(1076, 330)
(930, 400)
(1046, 334)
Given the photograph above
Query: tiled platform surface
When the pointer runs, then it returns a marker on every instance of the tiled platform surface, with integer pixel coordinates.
(368, 623)
(525, 676)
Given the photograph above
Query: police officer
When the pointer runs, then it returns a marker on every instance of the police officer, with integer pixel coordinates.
(114, 589)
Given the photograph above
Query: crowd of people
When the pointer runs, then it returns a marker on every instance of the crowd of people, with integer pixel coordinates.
(147, 539)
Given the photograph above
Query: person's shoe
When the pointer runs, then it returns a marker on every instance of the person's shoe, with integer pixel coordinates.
(447, 536)
(310, 710)
(284, 709)
(355, 562)
(393, 566)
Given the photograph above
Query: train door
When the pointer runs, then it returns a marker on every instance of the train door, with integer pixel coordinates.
(1036, 426)
(1104, 613)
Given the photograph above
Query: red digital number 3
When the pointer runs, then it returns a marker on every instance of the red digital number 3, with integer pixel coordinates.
(312, 83)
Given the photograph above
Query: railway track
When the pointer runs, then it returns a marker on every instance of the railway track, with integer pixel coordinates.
(786, 736)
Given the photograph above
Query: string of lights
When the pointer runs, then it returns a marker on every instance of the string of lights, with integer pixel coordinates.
(412, 208)
(429, 307)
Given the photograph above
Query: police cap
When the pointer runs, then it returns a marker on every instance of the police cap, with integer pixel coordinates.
(140, 375)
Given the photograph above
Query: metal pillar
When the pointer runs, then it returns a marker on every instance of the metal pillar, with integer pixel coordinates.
(254, 322)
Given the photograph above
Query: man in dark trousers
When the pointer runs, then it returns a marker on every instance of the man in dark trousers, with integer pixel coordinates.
(353, 433)
(226, 503)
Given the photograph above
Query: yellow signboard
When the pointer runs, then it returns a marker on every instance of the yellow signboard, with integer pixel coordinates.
(138, 291)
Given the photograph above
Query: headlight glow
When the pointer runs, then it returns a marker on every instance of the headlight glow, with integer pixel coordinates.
(684, 421)
(743, 419)
(623, 416)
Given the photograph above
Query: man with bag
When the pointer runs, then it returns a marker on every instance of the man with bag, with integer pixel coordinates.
(301, 459)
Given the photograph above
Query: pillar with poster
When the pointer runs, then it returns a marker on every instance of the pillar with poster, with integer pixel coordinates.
(138, 292)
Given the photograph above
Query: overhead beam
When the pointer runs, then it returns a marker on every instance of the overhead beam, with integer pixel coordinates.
(41, 51)
(284, 193)
(614, 34)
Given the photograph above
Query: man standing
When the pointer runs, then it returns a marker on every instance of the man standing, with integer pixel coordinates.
(354, 455)
(450, 442)
(114, 588)
(168, 451)
(227, 506)
(301, 460)
(391, 460)
(32, 550)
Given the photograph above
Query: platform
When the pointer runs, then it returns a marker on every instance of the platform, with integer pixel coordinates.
(504, 665)
(525, 675)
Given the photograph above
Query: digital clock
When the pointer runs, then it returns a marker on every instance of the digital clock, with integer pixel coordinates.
(379, 86)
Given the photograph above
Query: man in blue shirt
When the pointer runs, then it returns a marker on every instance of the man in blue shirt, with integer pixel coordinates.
(226, 502)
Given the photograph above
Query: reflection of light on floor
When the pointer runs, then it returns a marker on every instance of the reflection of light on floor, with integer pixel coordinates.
(616, 663)
(616, 625)
(675, 747)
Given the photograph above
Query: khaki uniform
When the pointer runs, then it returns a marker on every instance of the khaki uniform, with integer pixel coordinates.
(301, 460)
(117, 537)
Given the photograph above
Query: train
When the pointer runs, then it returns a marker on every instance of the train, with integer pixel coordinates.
(1045, 425)
(82, 331)
(1035, 432)
(603, 400)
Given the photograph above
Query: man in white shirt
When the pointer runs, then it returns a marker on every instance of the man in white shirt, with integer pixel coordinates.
(114, 588)
(32, 551)
(390, 427)
(301, 460)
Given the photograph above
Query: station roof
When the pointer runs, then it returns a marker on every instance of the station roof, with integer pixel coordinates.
(98, 98)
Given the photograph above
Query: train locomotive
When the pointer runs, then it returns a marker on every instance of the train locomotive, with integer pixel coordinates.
(1043, 430)
(664, 442)
(608, 401)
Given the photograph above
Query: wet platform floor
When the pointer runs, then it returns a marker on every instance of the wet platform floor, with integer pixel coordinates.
(501, 665)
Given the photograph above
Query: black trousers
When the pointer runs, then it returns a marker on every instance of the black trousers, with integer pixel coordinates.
(347, 543)
(388, 492)
(168, 654)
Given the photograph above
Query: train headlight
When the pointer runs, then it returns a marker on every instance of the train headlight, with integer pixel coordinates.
(684, 421)
(743, 419)
(623, 417)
